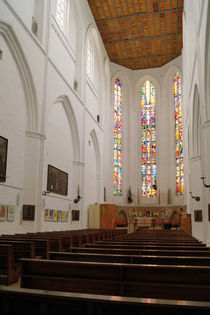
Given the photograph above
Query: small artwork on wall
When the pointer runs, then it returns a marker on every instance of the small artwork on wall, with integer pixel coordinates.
(10, 213)
(46, 215)
(198, 216)
(51, 215)
(28, 212)
(65, 216)
(3, 158)
(3, 212)
(75, 215)
(55, 216)
(59, 215)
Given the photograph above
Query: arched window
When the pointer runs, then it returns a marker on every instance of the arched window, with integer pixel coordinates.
(61, 13)
(117, 138)
(178, 135)
(90, 59)
(148, 140)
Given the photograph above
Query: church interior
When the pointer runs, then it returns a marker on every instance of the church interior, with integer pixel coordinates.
(104, 125)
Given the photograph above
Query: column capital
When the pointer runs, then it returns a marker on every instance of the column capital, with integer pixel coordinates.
(36, 135)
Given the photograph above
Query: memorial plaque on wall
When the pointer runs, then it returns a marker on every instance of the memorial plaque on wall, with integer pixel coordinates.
(28, 212)
(57, 181)
(75, 215)
(198, 215)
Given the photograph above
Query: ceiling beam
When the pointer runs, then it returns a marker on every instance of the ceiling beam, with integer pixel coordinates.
(141, 57)
(138, 14)
(142, 38)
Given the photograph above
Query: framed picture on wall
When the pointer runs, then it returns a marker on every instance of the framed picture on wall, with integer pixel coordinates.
(75, 215)
(46, 215)
(198, 216)
(28, 212)
(3, 212)
(3, 158)
(55, 217)
(10, 213)
(66, 216)
(51, 215)
(59, 215)
(63, 216)
(57, 181)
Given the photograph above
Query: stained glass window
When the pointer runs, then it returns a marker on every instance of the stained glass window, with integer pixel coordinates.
(178, 135)
(148, 140)
(90, 60)
(117, 138)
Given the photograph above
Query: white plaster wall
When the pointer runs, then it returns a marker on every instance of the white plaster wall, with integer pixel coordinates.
(90, 179)
(60, 50)
(195, 67)
(33, 55)
(58, 153)
(93, 158)
(24, 14)
(12, 126)
(91, 97)
(45, 142)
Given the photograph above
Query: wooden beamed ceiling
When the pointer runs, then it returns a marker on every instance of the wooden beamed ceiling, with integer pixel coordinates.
(140, 34)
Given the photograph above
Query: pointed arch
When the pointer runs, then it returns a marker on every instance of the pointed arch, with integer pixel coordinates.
(64, 100)
(196, 121)
(97, 152)
(25, 73)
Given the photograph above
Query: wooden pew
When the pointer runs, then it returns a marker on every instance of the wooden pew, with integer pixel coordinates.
(159, 243)
(26, 301)
(131, 259)
(62, 240)
(149, 281)
(39, 249)
(127, 251)
(145, 246)
(21, 248)
(8, 268)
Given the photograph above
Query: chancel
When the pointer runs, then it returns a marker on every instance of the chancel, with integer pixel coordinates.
(104, 156)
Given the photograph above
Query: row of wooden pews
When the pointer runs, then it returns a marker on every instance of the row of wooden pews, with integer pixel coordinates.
(27, 301)
(118, 275)
(38, 245)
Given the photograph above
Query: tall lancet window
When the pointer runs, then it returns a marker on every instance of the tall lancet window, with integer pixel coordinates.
(61, 13)
(117, 138)
(148, 140)
(178, 135)
(90, 60)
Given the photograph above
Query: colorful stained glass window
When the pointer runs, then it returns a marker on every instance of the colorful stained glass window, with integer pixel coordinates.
(117, 138)
(148, 140)
(178, 135)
